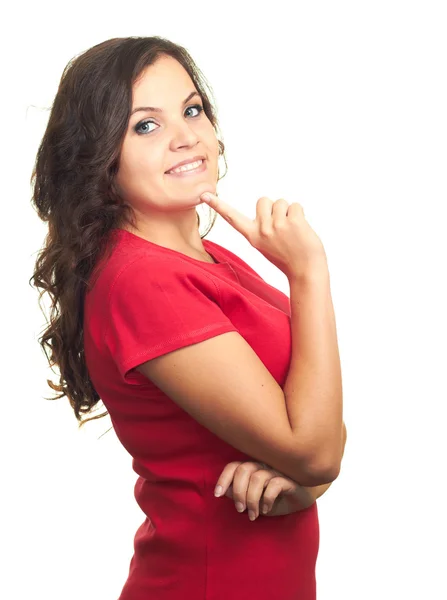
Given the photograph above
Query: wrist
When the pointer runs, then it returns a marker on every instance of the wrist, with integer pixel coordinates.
(316, 272)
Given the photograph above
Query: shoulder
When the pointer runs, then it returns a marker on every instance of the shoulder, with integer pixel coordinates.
(164, 280)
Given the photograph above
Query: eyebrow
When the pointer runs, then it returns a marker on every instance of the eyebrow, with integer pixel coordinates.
(159, 110)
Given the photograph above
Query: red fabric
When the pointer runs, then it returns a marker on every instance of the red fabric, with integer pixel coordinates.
(149, 300)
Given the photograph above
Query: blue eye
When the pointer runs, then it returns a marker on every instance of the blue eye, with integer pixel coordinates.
(141, 124)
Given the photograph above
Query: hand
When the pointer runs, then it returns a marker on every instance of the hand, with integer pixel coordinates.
(279, 231)
(254, 484)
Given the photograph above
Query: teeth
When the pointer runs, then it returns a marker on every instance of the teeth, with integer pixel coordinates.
(187, 167)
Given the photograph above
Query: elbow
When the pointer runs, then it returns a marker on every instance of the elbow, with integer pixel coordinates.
(326, 469)
(324, 473)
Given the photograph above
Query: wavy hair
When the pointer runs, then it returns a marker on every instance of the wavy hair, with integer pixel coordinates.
(73, 188)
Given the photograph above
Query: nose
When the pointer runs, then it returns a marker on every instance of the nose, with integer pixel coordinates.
(183, 135)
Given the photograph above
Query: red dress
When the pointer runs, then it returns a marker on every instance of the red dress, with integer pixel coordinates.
(147, 301)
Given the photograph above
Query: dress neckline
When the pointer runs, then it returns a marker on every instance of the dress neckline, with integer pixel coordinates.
(206, 244)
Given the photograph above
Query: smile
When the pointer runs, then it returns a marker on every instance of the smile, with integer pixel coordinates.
(199, 166)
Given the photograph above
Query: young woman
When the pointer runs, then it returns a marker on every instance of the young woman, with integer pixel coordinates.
(211, 377)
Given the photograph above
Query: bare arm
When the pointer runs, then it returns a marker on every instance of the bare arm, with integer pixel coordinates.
(318, 490)
(302, 497)
(313, 388)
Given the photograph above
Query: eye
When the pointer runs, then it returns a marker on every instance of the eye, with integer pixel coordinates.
(143, 124)
(196, 106)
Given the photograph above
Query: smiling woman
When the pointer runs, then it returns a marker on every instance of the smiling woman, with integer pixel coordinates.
(183, 342)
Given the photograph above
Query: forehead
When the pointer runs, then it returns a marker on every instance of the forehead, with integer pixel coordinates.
(162, 82)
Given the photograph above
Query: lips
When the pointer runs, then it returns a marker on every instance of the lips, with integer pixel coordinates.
(189, 172)
(185, 162)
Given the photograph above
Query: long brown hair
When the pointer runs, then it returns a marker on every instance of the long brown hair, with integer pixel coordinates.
(74, 190)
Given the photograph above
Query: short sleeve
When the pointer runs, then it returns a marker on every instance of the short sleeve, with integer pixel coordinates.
(157, 306)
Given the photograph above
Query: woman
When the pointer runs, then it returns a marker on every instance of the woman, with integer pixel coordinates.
(188, 348)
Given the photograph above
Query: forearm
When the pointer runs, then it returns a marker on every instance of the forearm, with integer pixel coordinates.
(313, 388)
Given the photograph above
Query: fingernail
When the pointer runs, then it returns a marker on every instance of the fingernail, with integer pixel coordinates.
(251, 515)
(264, 509)
(205, 197)
(218, 490)
(240, 507)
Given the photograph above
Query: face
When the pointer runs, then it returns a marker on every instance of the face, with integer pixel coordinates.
(156, 141)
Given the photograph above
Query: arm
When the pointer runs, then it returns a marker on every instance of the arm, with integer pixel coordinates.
(299, 497)
(319, 490)
(288, 497)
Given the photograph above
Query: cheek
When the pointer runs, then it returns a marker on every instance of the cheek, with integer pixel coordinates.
(208, 136)
(212, 149)
(139, 162)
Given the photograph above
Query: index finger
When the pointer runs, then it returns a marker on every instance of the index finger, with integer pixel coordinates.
(234, 217)
(226, 478)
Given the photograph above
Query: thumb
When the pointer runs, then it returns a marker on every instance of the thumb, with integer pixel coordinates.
(235, 218)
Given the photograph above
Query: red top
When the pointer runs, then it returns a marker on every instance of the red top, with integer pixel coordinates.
(147, 301)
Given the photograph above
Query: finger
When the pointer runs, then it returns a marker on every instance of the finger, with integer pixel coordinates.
(256, 487)
(235, 218)
(229, 492)
(271, 493)
(226, 478)
(241, 480)
(274, 488)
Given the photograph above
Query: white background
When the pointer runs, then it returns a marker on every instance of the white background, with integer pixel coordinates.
(341, 106)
